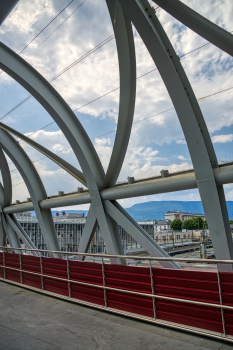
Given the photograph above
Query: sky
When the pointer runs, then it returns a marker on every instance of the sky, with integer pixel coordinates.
(157, 142)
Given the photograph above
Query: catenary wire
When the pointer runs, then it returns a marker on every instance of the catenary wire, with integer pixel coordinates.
(46, 27)
(62, 23)
(50, 33)
(64, 71)
(136, 122)
(79, 60)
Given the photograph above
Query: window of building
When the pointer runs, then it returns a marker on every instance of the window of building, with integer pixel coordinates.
(178, 236)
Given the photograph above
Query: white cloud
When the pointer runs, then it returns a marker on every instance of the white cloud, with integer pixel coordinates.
(222, 138)
(182, 142)
(182, 158)
(102, 142)
(208, 70)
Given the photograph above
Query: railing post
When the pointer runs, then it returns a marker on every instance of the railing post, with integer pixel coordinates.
(4, 264)
(20, 266)
(104, 284)
(68, 275)
(153, 290)
(220, 297)
(41, 271)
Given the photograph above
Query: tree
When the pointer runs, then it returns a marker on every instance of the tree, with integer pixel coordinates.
(191, 224)
(205, 224)
(200, 222)
(176, 224)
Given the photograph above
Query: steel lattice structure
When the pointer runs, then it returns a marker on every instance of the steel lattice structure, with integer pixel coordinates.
(102, 192)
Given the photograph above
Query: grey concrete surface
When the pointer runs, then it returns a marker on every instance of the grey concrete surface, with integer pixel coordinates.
(29, 320)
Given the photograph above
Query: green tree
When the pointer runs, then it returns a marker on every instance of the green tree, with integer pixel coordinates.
(191, 224)
(205, 224)
(176, 224)
(200, 222)
(231, 221)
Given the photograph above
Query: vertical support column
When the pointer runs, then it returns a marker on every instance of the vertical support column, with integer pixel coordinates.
(68, 275)
(153, 290)
(41, 271)
(220, 297)
(20, 266)
(4, 263)
(66, 240)
(104, 284)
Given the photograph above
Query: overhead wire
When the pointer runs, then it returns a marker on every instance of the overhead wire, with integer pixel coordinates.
(49, 24)
(62, 22)
(118, 89)
(79, 60)
(105, 41)
(136, 122)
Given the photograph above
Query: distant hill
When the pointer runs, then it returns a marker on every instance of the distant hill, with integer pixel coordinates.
(155, 210)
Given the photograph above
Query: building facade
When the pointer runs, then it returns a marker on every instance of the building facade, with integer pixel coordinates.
(69, 229)
(176, 214)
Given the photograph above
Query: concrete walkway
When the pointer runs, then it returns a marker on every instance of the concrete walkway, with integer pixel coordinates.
(29, 320)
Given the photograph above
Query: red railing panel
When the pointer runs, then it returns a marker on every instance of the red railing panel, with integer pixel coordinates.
(184, 284)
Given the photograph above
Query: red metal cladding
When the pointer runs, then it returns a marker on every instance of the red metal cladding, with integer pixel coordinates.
(183, 284)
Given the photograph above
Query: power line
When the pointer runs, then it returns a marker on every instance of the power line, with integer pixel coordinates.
(136, 122)
(62, 22)
(48, 37)
(79, 60)
(47, 26)
(63, 71)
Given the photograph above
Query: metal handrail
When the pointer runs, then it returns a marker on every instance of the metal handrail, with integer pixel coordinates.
(106, 288)
(99, 286)
(133, 257)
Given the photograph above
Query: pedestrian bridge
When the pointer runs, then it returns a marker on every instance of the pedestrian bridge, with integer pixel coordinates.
(193, 301)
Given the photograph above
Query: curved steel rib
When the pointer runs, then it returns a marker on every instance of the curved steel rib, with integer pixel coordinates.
(6, 179)
(49, 98)
(17, 228)
(199, 24)
(61, 162)
(127, 67)
(34, 185)
(5, 199)
(82, 146)
(151, 32)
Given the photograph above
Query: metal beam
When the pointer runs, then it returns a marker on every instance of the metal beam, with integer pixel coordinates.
(144, 187)
(48, 97)
(20, 232)
(121, 216)
(77, 174)
(107, 213)
(6, 6)
(127, 68)
(163, 54)
(81, 144)
(199, 24)
(6, 179)
(13, 238)
(88, 233)
(34, 185)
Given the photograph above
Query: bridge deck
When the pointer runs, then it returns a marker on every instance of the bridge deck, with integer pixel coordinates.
(30, 320)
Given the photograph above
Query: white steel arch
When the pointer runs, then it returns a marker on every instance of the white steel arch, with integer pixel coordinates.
(108, 213)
